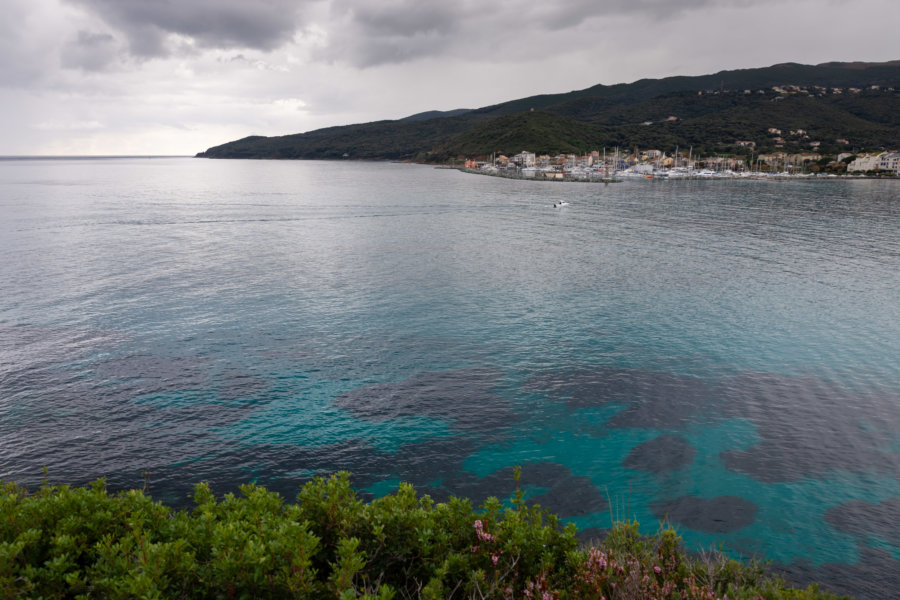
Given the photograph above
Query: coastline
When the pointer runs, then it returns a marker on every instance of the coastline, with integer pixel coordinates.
(568, 178)
(564, 178)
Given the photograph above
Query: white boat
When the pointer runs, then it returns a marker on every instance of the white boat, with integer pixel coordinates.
(560, 204)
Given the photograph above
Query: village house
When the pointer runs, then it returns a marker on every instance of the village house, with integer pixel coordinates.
(798, 158)
(722, 162)
(524, 159)
(772, 158)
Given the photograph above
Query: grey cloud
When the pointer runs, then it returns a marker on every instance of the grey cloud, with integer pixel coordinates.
(560, 16)
(371, 53)
(407, 21)
(367, 35)
(358, 32)
(261, 25)
(89, 51)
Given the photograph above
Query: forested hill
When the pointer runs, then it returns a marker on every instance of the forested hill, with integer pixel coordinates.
(842, 106)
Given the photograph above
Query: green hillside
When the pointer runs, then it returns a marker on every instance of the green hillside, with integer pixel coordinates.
(711, 112)
(539, 131)
(715, 123)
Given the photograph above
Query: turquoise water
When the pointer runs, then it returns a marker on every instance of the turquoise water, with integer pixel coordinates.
(721, 353)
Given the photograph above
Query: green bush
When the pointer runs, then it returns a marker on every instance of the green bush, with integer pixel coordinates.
(63, 542)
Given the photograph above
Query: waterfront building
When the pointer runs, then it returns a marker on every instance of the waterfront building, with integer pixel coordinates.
(865, 162)
(889, 161)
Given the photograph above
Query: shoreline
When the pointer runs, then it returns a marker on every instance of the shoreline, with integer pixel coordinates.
(737, 177)
(564, 178)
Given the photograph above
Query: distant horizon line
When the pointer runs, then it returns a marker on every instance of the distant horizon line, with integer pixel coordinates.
(87, 156)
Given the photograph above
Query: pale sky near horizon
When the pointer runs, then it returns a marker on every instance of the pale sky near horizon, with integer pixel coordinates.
(85, 77)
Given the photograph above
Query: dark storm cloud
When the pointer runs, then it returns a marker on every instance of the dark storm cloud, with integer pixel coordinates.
(399, 31)
(555, 16)
(262, 25)
(89, 51)
(391, 32)
(406, 20)
(361, 33)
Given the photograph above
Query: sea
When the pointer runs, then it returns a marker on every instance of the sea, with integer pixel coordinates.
(720, 355)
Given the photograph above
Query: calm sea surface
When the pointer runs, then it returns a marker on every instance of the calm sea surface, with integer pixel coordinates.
(724, 354)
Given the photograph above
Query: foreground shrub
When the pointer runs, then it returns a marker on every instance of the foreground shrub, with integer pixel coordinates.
(63, 542)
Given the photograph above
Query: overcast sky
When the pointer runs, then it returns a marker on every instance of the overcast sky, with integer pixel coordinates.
(179, 76)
